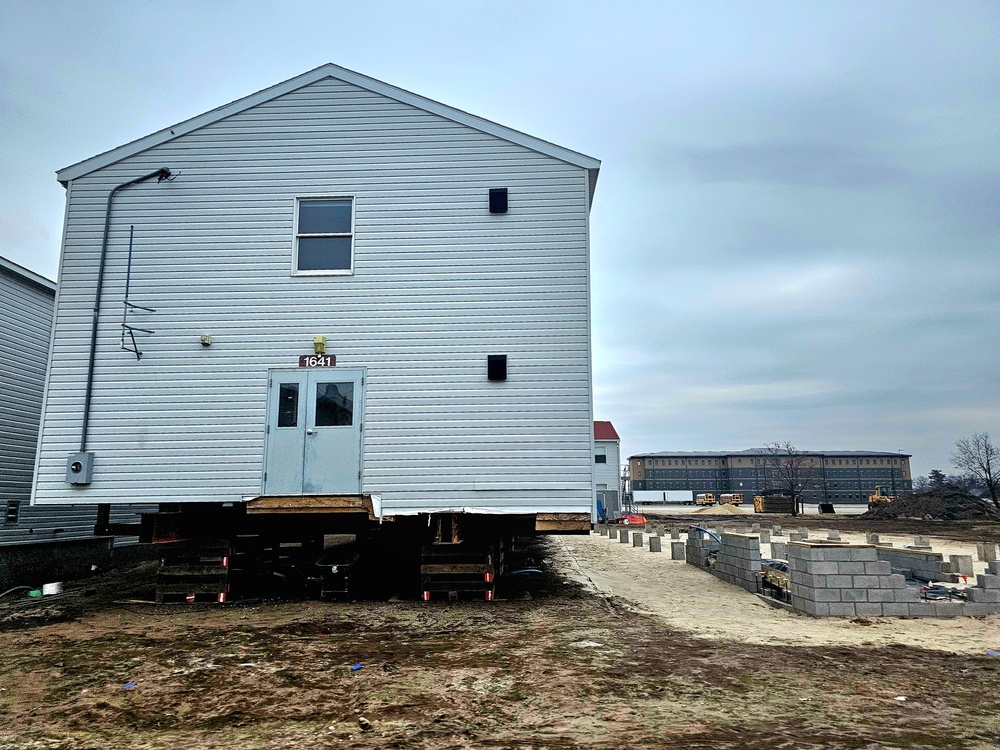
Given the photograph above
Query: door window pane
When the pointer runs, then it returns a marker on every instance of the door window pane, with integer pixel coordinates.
(288, 405)
(334, 404)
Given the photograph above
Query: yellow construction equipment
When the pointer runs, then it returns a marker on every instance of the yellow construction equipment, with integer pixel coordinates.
(879, 497)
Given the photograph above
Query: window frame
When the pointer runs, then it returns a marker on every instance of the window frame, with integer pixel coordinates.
(295, 235)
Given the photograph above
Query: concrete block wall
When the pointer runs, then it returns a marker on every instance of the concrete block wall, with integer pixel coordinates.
(699, 546)
(738, 560)
(917, 564)
(849, 581)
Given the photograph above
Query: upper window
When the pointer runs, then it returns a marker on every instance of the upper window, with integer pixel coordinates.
(600, 458)
(324, 235)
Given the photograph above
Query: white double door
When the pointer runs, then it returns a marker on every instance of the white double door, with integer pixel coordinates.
(314, 422)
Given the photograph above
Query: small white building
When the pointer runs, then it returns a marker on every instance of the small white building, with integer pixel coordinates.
(607, 466)
(330, 288)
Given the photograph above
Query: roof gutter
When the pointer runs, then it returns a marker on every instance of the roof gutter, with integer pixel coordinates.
(160, 174)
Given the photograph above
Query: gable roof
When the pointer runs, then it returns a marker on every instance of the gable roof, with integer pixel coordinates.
(605, 431)
(26, 274)
(348, 76)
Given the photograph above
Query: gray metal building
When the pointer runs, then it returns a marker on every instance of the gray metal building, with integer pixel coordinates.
(828, 476)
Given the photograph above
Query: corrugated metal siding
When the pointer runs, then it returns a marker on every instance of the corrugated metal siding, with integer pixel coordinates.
(439, 283)
(25, 326)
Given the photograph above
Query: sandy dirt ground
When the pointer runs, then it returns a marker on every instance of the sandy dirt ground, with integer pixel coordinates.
(555, 664)
(701, 605)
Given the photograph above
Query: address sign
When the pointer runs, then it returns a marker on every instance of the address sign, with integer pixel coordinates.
(317, 360)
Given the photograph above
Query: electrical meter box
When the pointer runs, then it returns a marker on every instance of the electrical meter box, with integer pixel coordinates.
(80, 467)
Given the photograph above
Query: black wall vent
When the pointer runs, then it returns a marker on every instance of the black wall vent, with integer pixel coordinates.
(496, 366)
(498, 200)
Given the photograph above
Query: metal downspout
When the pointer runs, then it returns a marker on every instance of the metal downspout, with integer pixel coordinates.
(161, 175)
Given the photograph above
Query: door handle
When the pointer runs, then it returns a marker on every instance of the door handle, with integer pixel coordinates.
(310, 432)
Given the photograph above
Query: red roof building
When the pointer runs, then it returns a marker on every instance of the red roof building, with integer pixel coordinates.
(605, 431)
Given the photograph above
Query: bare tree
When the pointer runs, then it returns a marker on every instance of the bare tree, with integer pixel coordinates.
(790, 470)
(921, 484)
(978, 456)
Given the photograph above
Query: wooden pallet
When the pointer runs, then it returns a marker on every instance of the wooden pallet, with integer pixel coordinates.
(195, 572)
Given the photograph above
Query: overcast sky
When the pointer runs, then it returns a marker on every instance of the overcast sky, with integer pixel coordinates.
(795, 232)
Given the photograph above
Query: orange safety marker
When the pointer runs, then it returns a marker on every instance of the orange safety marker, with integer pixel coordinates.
(427, 596)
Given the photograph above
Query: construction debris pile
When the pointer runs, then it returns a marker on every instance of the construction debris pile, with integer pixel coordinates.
(946, 503)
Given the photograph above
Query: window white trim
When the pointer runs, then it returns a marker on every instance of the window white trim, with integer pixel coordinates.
(295, 235)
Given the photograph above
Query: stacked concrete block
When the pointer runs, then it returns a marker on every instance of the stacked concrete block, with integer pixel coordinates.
(738, 560)
(765, 536)
(654, 544)
(637, 539)
(833, 535)
(854, 581)
(986, 551)
(779, 550)
(602, 529)
(675, 534)
(871, 538)
(612, 532)
(678, 551)
(797, 536)
(776, 530)
(699, 545)
(921, 542)
(919, 565)
(623, 536)
(961, 565)
(755, 528)
(842, 581)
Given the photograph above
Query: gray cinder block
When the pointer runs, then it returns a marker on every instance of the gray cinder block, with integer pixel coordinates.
(833, 535)
(994, 567)
(612, 532)
(677, 550)
(602, 529)
(623, 536)
(654, 544)
(921, 542)
(961, 564)
(776, 530)
(870, 609)
(881, 595)
(842, 609)
(871, 538)
(988, 581)
(765, 537)
(637, 539)
(989, 552)
(675, 534)
(779, 550)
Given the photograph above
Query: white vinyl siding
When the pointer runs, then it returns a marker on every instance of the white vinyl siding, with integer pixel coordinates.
(25, 328)
(438, 283)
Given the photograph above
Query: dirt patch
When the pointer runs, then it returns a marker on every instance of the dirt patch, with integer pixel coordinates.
(945, 503)
(556, 665)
